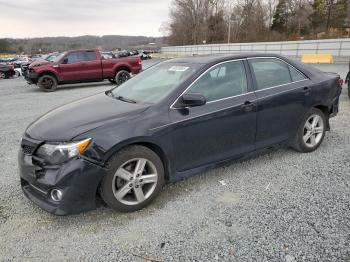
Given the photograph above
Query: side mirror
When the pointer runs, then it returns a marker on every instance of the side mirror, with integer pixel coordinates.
(65, 60)
(192, 100)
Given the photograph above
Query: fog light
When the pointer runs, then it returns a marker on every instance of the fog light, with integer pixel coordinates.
(56, 195)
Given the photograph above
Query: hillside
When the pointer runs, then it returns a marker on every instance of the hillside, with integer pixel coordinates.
(51, 44)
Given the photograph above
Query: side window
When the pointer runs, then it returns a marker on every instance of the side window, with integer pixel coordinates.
(270, 72)
(90, 56)
(222, 81)
(296, 75)
(75, 57)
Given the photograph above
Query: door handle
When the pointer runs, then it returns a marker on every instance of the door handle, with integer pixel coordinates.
(306, 90)
(247, 106)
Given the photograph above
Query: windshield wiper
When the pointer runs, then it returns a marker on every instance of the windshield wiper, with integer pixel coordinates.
(121, 98)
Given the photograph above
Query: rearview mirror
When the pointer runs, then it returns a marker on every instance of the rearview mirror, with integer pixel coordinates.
(65, 60)
(192, 100)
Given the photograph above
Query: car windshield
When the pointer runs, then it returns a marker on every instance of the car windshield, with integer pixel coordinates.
(155, 83)
(56, 58)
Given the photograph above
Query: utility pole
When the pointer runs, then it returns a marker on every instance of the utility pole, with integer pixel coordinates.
(229, 22)
(229, 31)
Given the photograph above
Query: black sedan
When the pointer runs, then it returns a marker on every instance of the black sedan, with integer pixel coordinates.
(173, 120)
(6, 71)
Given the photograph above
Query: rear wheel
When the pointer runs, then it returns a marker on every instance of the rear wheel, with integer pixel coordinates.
(134, 179)
(47, 83)
(311, 132)
(122, 76)
(2, 75)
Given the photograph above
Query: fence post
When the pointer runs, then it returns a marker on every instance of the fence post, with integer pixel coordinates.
(340, 48)
(297, 53)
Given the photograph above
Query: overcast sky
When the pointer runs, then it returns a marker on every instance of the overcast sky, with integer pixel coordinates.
(39, 18)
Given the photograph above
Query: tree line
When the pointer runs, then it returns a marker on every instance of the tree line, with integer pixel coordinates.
(53, 44)
(222, 21)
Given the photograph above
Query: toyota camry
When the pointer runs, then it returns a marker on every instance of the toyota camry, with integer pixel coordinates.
(175, 119)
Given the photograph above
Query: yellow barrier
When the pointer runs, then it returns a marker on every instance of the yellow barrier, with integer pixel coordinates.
(317, 58)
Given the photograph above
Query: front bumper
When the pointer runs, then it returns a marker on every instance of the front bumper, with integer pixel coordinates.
(78, 180)
(31, 77)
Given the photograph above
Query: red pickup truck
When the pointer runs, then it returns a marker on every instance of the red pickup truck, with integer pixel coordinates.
(79, 66)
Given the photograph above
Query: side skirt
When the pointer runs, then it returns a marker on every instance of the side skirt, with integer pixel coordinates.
(188, 173)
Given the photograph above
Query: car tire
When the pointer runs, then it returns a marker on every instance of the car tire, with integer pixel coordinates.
(2, 75)
(47, 83)
(122, 76)
(311, 131)
(125, 189)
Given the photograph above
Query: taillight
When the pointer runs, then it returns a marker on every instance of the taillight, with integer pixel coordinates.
(341, 81)
(140, 62)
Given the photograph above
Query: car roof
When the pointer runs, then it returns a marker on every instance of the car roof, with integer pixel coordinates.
(308, 70)
(205, 59)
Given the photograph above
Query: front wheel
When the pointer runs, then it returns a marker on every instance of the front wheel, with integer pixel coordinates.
(47, 83)
(311, 132)
(135, 177)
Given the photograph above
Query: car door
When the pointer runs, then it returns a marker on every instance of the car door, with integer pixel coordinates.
(92, 66)
(80, 66)
(222, 128)
(283, 95)
(71, 68)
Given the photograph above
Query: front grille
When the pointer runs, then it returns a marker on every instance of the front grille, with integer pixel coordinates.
(29, 145)
(28, 150)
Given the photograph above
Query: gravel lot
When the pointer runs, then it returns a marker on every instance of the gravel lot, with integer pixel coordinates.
(280, 206)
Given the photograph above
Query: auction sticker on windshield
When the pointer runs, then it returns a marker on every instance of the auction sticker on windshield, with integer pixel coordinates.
(178, 68)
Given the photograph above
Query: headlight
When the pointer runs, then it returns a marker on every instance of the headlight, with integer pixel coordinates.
(59, 153)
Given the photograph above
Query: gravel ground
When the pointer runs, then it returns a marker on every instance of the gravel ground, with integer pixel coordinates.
(280, 206)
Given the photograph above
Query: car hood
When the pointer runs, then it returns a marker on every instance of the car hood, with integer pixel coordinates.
(66, 122)
(39, 63)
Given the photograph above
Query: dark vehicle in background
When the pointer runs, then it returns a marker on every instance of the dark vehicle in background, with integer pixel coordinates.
(121, 54)
(144, 55)
(20, 61)
(173, 120)
(7, 71)
(79, 66)
(108, 55)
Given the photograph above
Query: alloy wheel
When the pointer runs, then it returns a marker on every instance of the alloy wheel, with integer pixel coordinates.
(47, 83)
(313, 130)
(134, 181)
(123, 77)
